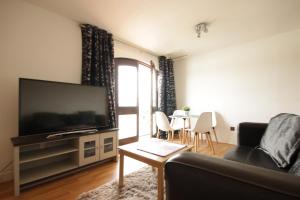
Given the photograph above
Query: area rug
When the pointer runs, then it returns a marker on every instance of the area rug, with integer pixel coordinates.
(139, 185)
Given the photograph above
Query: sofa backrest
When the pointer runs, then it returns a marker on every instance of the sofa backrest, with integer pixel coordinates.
(250, 133)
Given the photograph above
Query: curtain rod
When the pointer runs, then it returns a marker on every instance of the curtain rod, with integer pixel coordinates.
(127, 43)
(180, 57)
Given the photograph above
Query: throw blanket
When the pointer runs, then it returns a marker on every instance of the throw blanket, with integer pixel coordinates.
(282, 138)
(295, 169)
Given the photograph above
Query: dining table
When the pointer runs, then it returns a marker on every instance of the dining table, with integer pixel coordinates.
(185, 118)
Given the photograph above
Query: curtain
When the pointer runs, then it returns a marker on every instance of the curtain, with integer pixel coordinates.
(98, 64)
(166, 86)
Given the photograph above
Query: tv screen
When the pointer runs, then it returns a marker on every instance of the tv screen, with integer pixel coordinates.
(51, 107)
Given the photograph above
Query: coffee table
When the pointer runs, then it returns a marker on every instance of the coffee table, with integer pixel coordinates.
(131, 150)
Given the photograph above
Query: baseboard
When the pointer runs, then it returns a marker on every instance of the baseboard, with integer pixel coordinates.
(6, 176)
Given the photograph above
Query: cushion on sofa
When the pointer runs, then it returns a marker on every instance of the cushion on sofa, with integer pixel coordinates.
(282, 138)
(251, 156)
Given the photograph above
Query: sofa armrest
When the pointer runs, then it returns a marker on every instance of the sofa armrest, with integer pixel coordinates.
(195, 176)
(250, 134)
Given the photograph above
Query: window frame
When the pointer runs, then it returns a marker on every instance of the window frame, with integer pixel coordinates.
(134, 110)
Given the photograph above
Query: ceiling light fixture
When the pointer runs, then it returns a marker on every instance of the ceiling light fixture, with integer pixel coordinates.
(201, 27)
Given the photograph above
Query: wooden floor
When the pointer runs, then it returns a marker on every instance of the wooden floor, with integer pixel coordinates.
(70, 187)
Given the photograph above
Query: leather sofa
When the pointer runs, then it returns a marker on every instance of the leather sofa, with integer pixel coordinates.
(244, 173)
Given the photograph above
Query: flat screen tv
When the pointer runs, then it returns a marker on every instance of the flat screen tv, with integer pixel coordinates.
(47, 107)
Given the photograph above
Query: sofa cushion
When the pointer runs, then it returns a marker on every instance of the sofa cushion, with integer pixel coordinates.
(252, 156)
(238, 153)
(282, 138)
(259, 158)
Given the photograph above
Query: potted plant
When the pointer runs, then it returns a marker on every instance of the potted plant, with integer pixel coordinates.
(186, 109)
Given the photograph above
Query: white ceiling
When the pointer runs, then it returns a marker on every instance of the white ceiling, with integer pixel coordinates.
(166, 27)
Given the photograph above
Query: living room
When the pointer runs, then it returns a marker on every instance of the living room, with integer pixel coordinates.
(236, 59)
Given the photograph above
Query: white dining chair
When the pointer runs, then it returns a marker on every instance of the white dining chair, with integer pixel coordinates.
(162, 124)
(214, 124)
(203, 126)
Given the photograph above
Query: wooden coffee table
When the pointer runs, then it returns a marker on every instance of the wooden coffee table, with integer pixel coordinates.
(131, 151)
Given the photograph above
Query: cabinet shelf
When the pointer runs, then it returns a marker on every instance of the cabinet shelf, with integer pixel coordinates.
(38, 162)
(37, 173)
(30, 156)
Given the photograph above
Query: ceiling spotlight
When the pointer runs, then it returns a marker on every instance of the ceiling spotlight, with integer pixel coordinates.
(201, 27)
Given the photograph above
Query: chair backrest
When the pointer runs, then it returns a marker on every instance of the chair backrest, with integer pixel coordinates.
(162, 121)
(177, 122)
(204, 123)
(214, 119)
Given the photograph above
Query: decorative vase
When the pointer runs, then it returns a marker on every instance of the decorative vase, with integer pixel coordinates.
(187, 113)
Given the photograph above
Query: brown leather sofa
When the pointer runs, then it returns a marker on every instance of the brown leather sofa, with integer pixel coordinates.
(245, 173)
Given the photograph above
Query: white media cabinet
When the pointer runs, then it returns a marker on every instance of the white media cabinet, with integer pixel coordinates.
(38, 159)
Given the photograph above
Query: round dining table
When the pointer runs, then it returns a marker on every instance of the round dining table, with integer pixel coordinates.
(184, 117)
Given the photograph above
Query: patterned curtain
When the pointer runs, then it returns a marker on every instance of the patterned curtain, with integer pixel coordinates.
(98, 64)
(166, 86)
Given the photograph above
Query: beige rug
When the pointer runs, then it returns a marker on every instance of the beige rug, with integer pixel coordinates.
(139, 185)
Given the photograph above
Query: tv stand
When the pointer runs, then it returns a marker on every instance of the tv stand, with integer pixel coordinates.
(37, 159)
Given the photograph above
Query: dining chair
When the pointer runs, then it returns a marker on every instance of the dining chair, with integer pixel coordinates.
(203, 126)
(162, 124)
(214, 124)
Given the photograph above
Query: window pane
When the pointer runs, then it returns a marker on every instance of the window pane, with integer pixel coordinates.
(127, 83)
(144, 100)
(89, 153)
(90, 144)
(108, 148)
(127, 126)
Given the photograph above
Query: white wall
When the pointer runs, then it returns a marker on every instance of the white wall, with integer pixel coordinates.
(125, 51)
(36, 43)
(249, 82)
